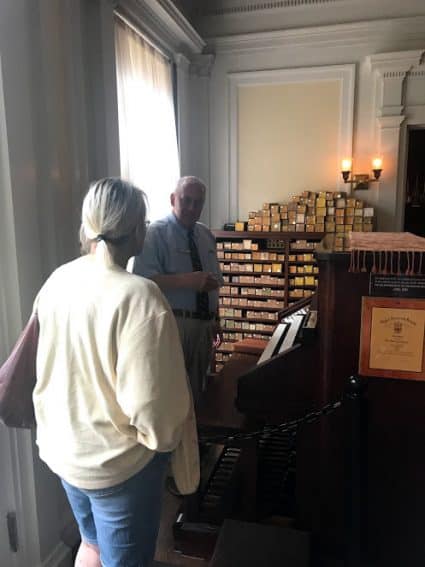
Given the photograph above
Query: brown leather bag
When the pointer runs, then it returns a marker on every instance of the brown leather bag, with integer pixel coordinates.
(17, 379)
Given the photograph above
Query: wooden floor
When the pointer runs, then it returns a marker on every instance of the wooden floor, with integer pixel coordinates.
(164, 547)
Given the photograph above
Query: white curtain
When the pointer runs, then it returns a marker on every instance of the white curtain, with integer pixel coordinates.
(147, 129)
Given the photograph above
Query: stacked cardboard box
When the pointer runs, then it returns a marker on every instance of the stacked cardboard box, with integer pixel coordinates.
(312, 212)
(263, 274)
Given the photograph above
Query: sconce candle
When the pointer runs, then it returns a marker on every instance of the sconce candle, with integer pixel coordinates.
(377, 167)
(345, 169)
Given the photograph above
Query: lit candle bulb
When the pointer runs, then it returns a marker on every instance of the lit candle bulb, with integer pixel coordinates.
(346, 165)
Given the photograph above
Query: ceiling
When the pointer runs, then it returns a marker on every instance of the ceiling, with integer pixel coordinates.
(213, 18)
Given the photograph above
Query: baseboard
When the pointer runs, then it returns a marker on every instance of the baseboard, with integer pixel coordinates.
(61, 556)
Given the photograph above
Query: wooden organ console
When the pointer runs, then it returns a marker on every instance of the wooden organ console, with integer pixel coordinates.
(305, 477)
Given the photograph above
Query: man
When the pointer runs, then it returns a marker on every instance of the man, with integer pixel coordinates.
(179, 254)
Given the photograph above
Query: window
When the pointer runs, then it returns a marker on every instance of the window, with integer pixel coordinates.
(147, 129)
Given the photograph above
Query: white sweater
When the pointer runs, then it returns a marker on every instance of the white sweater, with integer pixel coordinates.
(111, 383)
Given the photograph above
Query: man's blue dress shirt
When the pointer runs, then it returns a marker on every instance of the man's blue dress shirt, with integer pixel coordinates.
(166, 251)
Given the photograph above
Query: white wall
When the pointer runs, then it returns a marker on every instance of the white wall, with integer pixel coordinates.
(275, 156)
(325, 45)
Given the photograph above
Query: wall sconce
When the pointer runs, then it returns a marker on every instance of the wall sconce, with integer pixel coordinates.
(360, 181)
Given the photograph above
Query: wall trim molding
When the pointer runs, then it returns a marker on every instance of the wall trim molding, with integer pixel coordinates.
(358, 33)
(346, 74)
(391, 121)
(391, 73)
(163, 24)
(262, 7)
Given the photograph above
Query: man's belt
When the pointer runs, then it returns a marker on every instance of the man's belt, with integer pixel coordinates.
(193, 314)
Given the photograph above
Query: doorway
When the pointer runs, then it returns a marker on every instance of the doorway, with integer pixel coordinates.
(414, 213)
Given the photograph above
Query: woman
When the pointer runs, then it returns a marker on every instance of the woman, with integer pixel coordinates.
(111, 399)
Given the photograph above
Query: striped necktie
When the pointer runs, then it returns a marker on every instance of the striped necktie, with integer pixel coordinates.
(202, 299)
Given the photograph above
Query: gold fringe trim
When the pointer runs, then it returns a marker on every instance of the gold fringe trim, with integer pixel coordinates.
(386, 262)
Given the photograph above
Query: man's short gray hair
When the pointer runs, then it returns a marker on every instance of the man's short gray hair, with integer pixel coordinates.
(111, 212)
(189, 180)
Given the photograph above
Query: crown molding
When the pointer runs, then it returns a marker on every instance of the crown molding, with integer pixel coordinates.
(201, 65)
(395, 65)
(163, 24)
(182, 62)
(261, 7)
(419, 72)
(198, 65)
(358, 33)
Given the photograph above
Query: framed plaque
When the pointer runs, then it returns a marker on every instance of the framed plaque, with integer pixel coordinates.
(392, 338)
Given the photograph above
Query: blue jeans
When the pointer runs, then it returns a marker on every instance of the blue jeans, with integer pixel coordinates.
(122, 520)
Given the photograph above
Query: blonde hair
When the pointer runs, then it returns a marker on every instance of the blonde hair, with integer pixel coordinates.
(112, 211)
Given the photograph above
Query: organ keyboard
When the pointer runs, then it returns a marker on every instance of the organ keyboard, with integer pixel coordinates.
(251, 390)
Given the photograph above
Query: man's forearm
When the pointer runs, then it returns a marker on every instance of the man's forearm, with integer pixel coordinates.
(197, 281)
(172, 281)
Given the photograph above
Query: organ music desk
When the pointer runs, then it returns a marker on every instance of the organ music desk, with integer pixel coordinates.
(311, 373)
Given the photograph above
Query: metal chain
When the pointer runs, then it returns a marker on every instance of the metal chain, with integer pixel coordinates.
(290, 461)
(268, 430)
